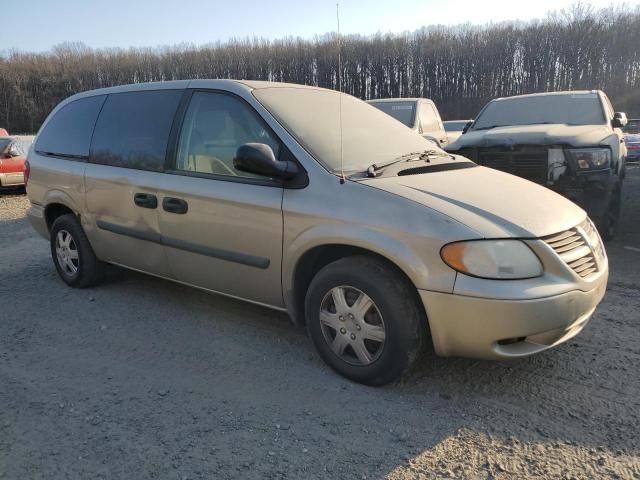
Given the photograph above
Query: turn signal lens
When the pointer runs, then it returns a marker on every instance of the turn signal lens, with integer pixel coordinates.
(453, 255)
(495, 259)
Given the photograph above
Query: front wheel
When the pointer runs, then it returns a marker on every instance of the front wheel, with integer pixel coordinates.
(364, 319)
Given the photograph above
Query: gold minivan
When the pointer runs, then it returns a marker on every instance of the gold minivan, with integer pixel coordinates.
(312, 202)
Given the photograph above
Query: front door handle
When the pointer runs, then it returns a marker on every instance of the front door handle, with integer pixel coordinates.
(174, 205)
(145, 200)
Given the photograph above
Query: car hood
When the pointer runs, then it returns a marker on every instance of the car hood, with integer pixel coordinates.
(492, 203)
(575, 135)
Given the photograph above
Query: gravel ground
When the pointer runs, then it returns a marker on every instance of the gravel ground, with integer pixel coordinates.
(141, 378)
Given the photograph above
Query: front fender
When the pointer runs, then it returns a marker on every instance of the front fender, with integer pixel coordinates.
(391, 248)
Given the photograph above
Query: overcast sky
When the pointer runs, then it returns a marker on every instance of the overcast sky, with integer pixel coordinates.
(125, 23)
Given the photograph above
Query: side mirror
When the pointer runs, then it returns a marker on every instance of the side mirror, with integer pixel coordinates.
(466, 127)
(619, 120)
(259, 158)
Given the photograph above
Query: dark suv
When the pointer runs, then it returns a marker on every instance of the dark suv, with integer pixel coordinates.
(571, 142)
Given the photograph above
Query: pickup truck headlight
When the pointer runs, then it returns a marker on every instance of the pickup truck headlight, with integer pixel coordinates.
(591, 158)
(495, 259)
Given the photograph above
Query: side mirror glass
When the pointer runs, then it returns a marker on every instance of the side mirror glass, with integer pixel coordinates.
(466, 127)
(620, 120)
(258, 158)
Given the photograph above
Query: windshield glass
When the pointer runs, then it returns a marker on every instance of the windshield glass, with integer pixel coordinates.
(455, 126)
(404, 112)
(23, 144)
(633, 126)
(3, 143)
(570, 109)
(368, 135)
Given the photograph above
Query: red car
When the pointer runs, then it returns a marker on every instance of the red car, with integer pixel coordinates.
(13, 153)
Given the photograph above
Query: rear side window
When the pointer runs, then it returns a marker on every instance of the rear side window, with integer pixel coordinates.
(68, 133)
(133, 129)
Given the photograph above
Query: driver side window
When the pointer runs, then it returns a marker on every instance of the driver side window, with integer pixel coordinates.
(215, 125)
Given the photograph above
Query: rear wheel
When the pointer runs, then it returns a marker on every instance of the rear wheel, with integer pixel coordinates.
(364, 320)
(72, 254)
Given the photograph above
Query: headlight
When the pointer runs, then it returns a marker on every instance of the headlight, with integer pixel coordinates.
(497, 259)
(591, 158)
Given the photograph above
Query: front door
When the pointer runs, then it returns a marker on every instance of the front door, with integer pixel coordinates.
(222, 228)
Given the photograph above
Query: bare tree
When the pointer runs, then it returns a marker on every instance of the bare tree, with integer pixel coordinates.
(460, 68)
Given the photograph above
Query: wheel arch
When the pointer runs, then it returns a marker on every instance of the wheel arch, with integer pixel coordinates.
(54, 210)
(315, 258)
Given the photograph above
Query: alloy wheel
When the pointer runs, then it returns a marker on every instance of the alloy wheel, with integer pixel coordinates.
(67, 253)
(352, 325)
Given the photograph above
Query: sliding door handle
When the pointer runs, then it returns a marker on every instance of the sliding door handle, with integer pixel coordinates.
(175, 205)
(145, 200)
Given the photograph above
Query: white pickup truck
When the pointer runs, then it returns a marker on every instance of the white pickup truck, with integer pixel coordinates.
(419, 114)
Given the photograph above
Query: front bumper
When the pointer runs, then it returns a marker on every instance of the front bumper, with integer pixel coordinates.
(497, 329)
(590, 190)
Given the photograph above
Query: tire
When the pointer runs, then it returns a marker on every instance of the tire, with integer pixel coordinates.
(68, 236)
(392, 332)
(608, 224)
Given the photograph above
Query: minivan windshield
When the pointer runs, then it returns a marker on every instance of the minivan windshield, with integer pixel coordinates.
(404, 112)
(569, 109)
(369, 136)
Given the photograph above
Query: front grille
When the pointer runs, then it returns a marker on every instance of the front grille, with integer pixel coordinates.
(528, 162)
(580, 248)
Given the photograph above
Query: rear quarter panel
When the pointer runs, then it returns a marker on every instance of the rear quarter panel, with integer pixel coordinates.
(55, 180)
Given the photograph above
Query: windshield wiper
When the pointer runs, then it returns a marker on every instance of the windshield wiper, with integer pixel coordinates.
(426, 155)
(514, 125)
(489, 128)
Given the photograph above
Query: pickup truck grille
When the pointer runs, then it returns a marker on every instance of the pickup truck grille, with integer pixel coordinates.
(580, 248)
(528, 162)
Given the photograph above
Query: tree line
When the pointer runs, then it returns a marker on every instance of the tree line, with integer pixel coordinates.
(460, 68)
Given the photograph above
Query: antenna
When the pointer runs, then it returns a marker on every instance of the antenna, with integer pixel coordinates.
(342, 179)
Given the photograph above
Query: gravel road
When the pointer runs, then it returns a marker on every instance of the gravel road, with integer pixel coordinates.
(141, 378)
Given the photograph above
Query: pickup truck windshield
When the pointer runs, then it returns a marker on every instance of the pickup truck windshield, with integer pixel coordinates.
(633, 126)
(404, 112)
(570, 109)
(369, 136)
(455, 126)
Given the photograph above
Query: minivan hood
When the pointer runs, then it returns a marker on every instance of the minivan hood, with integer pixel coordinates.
(575, 135)
(492, 203)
